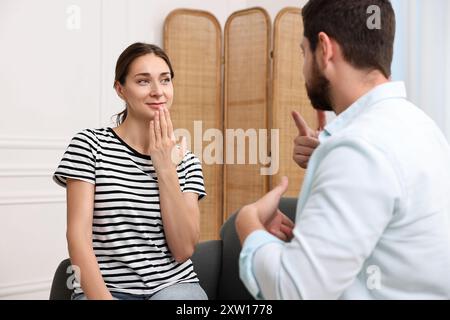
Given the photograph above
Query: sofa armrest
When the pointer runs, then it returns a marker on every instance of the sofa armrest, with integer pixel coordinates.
(59, 289)
(230, 285)
(289, 207)
(207, 260)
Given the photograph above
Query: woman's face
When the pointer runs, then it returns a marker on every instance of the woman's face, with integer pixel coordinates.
(148, 87)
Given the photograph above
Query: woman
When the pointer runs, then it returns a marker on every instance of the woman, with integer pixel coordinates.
(132, 193)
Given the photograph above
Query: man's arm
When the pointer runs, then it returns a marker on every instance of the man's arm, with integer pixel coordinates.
(350, 200)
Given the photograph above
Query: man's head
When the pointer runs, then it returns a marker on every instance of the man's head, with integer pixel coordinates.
(362, 32)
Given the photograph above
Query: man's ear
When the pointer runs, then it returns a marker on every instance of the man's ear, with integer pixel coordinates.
(119, 90)
(325, 50)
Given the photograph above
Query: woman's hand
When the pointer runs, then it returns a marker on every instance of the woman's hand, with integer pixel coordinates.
(164, 151)
(179, 210)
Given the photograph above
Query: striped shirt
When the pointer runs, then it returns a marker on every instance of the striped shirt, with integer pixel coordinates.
(128, 235)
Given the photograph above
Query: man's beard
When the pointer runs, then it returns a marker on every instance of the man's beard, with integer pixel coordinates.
(319, 89)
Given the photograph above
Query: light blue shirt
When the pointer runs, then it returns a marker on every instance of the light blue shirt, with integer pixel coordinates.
(372, 220)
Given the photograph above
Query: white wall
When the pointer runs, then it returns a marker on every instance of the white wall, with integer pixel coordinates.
(54, 81)
(422, 56)
(50, 87)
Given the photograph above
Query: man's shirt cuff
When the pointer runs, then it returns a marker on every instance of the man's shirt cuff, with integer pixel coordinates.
(252, 243)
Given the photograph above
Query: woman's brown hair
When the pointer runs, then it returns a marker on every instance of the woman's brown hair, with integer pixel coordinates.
(127, 57)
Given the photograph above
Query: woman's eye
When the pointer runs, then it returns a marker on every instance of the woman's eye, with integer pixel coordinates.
(143, 82)
(165, 81)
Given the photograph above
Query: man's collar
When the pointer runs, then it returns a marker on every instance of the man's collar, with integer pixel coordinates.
(381, 92)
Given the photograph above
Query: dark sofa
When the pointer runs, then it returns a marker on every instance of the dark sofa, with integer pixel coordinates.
(215, 262)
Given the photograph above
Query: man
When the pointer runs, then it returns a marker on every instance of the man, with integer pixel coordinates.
(372, 220)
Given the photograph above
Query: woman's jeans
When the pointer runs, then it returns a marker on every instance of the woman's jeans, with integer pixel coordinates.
(179, 291)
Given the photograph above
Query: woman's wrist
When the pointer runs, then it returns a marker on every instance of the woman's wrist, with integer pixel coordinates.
(166, 171)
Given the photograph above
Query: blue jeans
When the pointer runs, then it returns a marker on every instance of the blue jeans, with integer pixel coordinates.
(178, 291)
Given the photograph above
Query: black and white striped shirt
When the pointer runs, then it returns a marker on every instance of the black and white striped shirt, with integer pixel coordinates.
(128, 235)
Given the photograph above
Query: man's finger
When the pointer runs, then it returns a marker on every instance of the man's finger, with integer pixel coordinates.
(287, 231)
(285, 220)
(282, 186)
(302, 161)
(300, 158)
(303, 151)
(300, 123)
(309, 142)
(277, 233)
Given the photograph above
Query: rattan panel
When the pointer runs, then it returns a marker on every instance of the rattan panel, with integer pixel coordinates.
(192, 39)
(289, 93)
(247, 72)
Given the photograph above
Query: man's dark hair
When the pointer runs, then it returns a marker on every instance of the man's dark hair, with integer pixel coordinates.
(346, 21)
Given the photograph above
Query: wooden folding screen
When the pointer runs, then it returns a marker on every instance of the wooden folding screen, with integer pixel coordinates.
(289, 93)
(246, 98)
(192, 39)
(256, 98)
